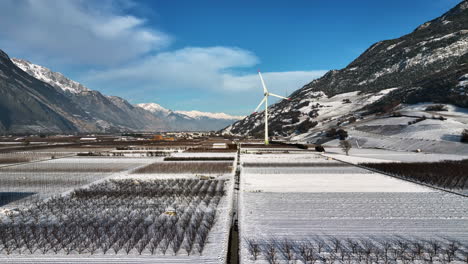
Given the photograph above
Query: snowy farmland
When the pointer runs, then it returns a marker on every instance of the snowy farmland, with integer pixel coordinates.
(308, 204)
(25, 183)
(292, 203)
(198, 206)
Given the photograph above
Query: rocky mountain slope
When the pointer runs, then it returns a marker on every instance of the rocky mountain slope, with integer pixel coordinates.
(36, 99)
(109, 114)
(28, 104)
(428, 65)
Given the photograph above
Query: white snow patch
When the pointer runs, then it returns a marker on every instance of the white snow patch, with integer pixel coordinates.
(55, 79)
(197, 115)
(154, 108)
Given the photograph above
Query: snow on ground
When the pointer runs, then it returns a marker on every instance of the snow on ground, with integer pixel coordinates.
(432, 128)
(329, 202)
(106, 160)
(218, 238)
(355, 160)
(281, 158)
(380, 155)
(398, 143)
(453, 112)
(41, 180)
(327, 183)
(395, 121)
(360, 155)
(215, 250)
(350, 214)
(396, 133)
(204, 154)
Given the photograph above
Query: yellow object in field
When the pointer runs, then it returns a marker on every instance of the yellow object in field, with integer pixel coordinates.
(171, 211)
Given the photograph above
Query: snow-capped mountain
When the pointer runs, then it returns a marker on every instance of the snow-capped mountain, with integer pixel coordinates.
(190, 120)
(155, 108)
(198, 115)
(55, 79)
(428, 65)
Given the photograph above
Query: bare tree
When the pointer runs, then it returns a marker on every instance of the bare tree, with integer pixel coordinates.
(352, 244)
(253, 247)
(287, 249)
(345, 146)
(452, 249)
(336, 244)
(306, 252)
(270, 254)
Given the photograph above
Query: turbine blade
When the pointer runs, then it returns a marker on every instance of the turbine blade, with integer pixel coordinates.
(265, 90)
(279, 96)
(260, 104)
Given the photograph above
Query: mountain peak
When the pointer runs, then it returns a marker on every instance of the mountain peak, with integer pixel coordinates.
(56, 79)
(154, 108)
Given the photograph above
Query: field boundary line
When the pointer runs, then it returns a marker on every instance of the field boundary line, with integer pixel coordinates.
(397, 176)
(36, 161)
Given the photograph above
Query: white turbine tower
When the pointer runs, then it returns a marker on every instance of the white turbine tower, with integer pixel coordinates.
(265, 100)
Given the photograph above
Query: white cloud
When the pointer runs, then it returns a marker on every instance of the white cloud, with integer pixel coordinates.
(275, 81)
(74, 31)
(210, 68)
(129, 57)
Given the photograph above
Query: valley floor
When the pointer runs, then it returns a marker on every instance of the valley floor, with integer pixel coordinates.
(284, 193)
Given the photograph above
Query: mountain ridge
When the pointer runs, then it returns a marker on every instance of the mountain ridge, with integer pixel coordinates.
(92, 110)
(422, 66)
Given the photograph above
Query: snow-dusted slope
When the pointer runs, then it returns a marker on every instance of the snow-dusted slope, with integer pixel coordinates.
(56, 79)
(111, 113)
(28, 104)
(198, 115)
(428, 65)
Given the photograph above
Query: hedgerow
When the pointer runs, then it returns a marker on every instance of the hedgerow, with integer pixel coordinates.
(186, 167)
(445, 174)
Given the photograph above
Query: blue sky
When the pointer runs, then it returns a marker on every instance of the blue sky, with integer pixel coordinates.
(202, 55)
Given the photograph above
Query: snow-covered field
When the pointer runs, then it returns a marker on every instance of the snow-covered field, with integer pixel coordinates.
(361, 155)
(397, 143)
(39, 180)
(215, 250)
(277, 202)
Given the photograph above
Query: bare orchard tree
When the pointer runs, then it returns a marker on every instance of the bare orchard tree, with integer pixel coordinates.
(287, 249)
(270, 253)
(151, 227)
(253, 247)
(306, 252)
(345, 145)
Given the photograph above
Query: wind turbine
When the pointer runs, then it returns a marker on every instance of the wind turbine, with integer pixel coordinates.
(265, 100)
